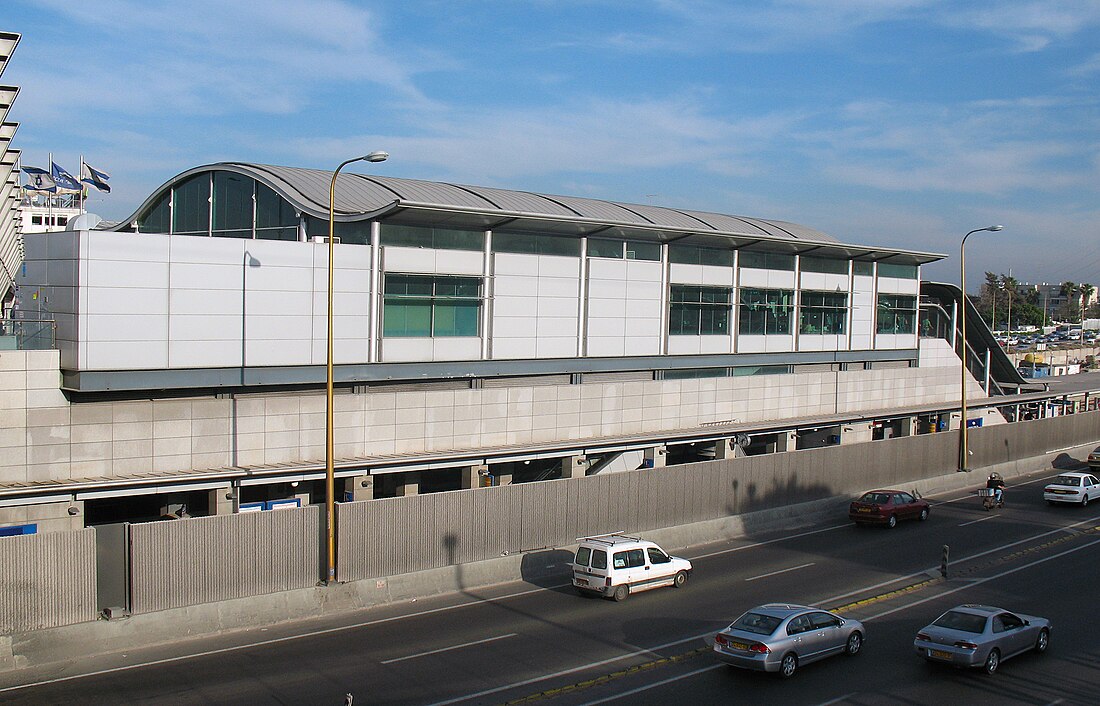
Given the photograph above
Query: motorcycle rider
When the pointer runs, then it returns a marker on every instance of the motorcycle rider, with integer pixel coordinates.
(997, 484)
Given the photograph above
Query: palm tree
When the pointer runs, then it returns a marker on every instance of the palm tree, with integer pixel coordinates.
(1086, 291)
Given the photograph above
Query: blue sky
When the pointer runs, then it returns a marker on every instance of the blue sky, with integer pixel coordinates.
(901, 123)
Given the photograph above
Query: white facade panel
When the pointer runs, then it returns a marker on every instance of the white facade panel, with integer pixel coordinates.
(119, 247)
(643, 328)
(429, 261)
(684, 345)
(556, 307)
(124, 355)
(717, 276)
(606, 308)
(715, 344)
(558, 327)
(515, 264)
(207, 277)
(279, 327)
(559, 287)
(824, 281)
(642, 346)
(861, 342)
(895, 341)
(781, 279)
(271, 303)
(817, 342)
(513, 286)
(262, 352)
(204, 354)
(192, 327)
(197, 302)
(514, 327)
(895, 285)
(198, 249)
(397, 350)
(126, 327)
(554, 266)
(604, 327)
(109, 300)
(506, 306)
(685, 274)
(465, 348)
(602, 347)
(514, 348)
(754, 278)
(108, 273)
(556, 347)
(778, 344)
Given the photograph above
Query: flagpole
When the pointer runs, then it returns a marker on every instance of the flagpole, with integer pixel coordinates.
(49, 199)
(80, 183)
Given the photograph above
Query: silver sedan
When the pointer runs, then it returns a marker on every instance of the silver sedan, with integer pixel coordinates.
(981, 636)
(779, 637)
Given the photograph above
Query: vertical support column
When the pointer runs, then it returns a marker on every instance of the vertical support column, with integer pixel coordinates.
(375, 310)
(735, 320)
(222, 501)
(988, 355)
(503, 478)
(359, 488)
(954, 325)
(408, 484)
(582, 303)
(665, 297)
(786, 441)
(656, 457)
(796, 316)
(573, 466)
(487, 299)
(472, 475)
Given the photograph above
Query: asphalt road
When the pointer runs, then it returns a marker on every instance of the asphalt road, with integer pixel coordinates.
(530, 644)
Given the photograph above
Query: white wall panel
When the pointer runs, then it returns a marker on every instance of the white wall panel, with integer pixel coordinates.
(514, 348)
(824, 282)
(105, 273)
(516, 264)
(606, 347)
(684, 345)
(553, 266)
(456, 348)
(126, 327)
(556, 347)
(505, 306)
(679, 273)
(717, 276)
(204, 354)
(777, 344)
(108, 355)
(558, 327)
(609, 326)
(396, 350)
(715, 344)
(556, 307)
(109, 300)
(754, 278)
(120, 247)
(514, 326)
(895, 285)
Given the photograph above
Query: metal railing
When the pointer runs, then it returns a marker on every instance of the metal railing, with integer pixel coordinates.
(25, 331)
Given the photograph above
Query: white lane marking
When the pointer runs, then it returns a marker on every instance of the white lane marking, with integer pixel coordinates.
(781, 571)
(651, 652)
(981, 519)
(978, 582)
(465, 604)
(784, 538)
(654, 685)
(448, 649)
(838, 699)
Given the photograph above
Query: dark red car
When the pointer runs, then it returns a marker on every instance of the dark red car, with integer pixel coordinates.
(886, 507)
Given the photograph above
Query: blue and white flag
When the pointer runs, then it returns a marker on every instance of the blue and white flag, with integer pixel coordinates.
(98, 179)
(38, 179)
(64, 180)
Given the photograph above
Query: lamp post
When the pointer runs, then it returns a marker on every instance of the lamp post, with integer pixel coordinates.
(330, 472)
(963, 451)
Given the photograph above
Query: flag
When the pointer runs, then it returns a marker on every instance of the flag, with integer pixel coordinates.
(98, 179)
(38, 179)
(64, 180)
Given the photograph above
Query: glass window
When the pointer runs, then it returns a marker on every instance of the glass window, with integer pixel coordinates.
(765, 311)
(766, 260)
(699, 311)
(897, 313)
(423, 306)
(885, 269)
(191, 206)
(823, 313)
(656, 556)
(599, 559)
(435, 238)
(584, 555)
(635, 558)
(276, 219)
(36, 220)
(155, 219)
(828, 265)
(232, 205)
(532, 244)
(747, 370)
(598, 247)
(695, 373)
(636, 250)
(863, 268)
(695, 255)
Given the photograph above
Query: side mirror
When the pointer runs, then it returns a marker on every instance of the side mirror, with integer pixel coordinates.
(1027, 622)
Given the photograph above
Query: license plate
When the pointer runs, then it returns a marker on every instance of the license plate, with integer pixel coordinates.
(581, 582)
(939, 654)
(863, 509)
(739, 646)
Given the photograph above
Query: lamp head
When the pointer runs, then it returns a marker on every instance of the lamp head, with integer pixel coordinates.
(380, 156)
(990, 228)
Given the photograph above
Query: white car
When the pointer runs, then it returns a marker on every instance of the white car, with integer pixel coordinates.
(1073, 487)
(614, 566)
(1094, 459)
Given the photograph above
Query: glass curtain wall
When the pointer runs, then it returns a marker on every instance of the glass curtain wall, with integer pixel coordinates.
(699, 311)
(426, 306)
(765, 311)
(823, 313)
(897, 313)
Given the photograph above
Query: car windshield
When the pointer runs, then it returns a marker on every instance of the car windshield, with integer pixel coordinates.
(1072, 481)
(966, 622)
(875, 498)
(757, 623)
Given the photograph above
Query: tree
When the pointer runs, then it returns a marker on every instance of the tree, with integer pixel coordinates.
(1086, 291)
(1071, 310)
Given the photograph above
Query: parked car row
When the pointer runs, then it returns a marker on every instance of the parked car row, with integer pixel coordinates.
(780, 637)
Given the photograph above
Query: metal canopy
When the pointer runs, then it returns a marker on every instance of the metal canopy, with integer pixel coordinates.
(415, 202)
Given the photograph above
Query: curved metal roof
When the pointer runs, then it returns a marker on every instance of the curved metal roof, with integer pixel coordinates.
(397, 200)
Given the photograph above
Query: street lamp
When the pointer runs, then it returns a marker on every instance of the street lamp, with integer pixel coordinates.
(963, 451)
(330, 472)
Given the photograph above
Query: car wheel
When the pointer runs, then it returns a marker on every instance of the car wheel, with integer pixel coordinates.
(1051, 503)
(924, 514)
(992, 661)
(892, 521)
(621, 592)
(680, 580)
(854, 644)
(1043, 641)
(1085, 501)
(788, 666)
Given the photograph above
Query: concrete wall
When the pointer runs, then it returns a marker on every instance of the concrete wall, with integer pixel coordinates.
(45, 437)
(47, 580)
(208, 559)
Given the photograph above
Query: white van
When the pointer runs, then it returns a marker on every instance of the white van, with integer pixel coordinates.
(614, 566)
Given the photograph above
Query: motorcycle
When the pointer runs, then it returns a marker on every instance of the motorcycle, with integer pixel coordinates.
(989, 498)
